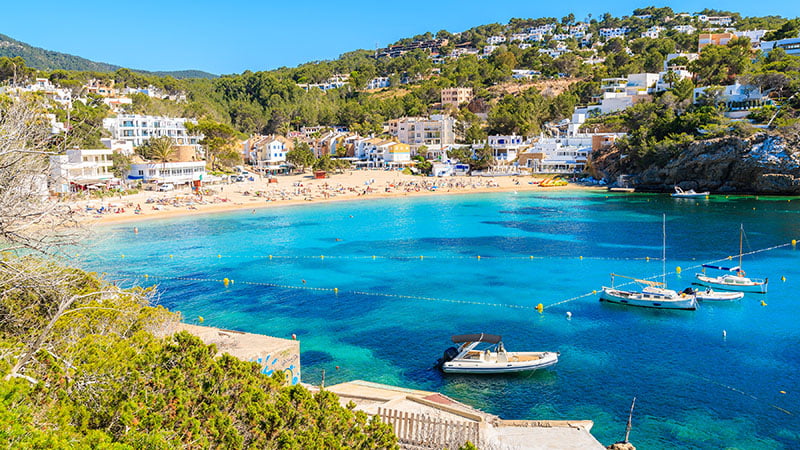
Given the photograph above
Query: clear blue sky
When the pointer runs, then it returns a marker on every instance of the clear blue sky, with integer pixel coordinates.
(236, 35)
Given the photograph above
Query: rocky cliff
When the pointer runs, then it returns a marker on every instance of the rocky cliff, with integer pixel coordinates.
(764, 163)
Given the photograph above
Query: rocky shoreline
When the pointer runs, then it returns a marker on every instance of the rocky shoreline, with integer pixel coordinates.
(765, 163)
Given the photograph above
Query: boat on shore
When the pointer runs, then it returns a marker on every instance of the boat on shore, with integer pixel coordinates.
(469, 358)
(680, 193)
(710, 295)
(735, 279)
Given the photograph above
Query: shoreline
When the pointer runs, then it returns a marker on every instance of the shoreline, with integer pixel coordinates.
(237, 200)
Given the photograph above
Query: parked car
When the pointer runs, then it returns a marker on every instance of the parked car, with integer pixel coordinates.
(166, 187)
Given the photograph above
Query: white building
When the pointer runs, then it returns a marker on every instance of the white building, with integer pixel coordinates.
(563, 154)
(267, 152)
(378, 82)
(419, 131)
(78, 169)
(524, 74)
(168, 172)
(614, 32)
(494, 40)
(653, 32)
(489, 49)
(504, 148)
(138, 129)
(685, 29)
(519, 37)
(334, 82)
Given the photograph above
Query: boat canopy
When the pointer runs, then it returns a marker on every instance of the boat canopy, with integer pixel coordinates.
(727, 269)
(481, 337)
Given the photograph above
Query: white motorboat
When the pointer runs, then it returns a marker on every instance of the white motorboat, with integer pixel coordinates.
(655, 294)
(680, 193)
(711, 295)
(735, 279)
(469, 358)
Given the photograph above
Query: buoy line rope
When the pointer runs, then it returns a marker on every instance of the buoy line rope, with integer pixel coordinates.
(226, 281)
(739, 391)
(397, 257)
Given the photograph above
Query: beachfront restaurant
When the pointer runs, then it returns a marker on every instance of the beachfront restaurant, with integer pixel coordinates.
(170, 172)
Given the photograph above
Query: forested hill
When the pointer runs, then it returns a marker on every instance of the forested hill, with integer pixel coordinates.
(49, 60)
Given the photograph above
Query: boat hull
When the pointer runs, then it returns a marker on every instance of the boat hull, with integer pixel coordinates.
(758, 287)
(625, 298)
(718, 296)
(478, 367)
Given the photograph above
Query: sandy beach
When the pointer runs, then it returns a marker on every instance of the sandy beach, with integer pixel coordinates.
(292, 190)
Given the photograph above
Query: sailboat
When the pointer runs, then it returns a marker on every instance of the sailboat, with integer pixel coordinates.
(735, 279)
(654, 294)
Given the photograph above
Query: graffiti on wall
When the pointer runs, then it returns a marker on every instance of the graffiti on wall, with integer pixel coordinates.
(288, 362)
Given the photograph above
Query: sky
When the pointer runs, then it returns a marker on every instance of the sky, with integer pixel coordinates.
(232, 36)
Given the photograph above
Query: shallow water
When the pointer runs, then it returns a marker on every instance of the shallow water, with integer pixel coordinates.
(694, 388)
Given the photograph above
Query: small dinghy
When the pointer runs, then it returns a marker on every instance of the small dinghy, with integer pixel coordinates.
(715, 296)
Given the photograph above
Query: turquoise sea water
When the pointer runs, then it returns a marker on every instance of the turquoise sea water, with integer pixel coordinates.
(694, 388)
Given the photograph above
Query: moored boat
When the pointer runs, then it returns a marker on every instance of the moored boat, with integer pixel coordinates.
(469, 358)
(680, 193)
(735, 279)
(714, 296)
(655, 295)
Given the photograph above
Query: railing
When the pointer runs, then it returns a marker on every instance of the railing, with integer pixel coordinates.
(418, 430)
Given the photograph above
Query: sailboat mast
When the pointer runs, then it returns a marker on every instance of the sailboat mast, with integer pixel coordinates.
(741, 233)
(664, 249)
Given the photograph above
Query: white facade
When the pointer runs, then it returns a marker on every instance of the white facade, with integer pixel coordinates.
(489, 49)
(418, 131)
(685, 29)
(653, 32)
(494, 40)
(80, 168)
(377, 83)
(171, 172)
(504, 148)
(138, 129)
(614, 32)
(559, 155)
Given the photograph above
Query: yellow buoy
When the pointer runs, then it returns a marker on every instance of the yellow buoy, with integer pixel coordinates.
(678, 269)
(540, 307)
(146, 276)
(782, 392)
(580, 257)
(122, 255)
(479, 257)
(373, 256)
(421, 257)
(219, 256)
(170, 256)
(335, 290)
(270, 257)
(531, 256)
(763, 303)
(594, 292)
(200, 319)
(794, 242)
(647, 258)
(783, 278)
(321, 256)
(226, 281)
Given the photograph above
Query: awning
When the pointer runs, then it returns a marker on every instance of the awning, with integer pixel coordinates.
(482, 337)
(728, 269)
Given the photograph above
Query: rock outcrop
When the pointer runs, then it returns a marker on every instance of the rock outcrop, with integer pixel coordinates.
(764, 164)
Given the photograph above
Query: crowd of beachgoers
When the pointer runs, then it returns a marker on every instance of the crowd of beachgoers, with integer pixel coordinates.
(291, 189)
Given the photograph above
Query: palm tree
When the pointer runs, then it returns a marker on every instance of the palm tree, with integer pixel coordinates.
(161, 148)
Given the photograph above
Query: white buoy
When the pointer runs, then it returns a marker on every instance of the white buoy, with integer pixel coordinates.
(569, 315)
(724, 333)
